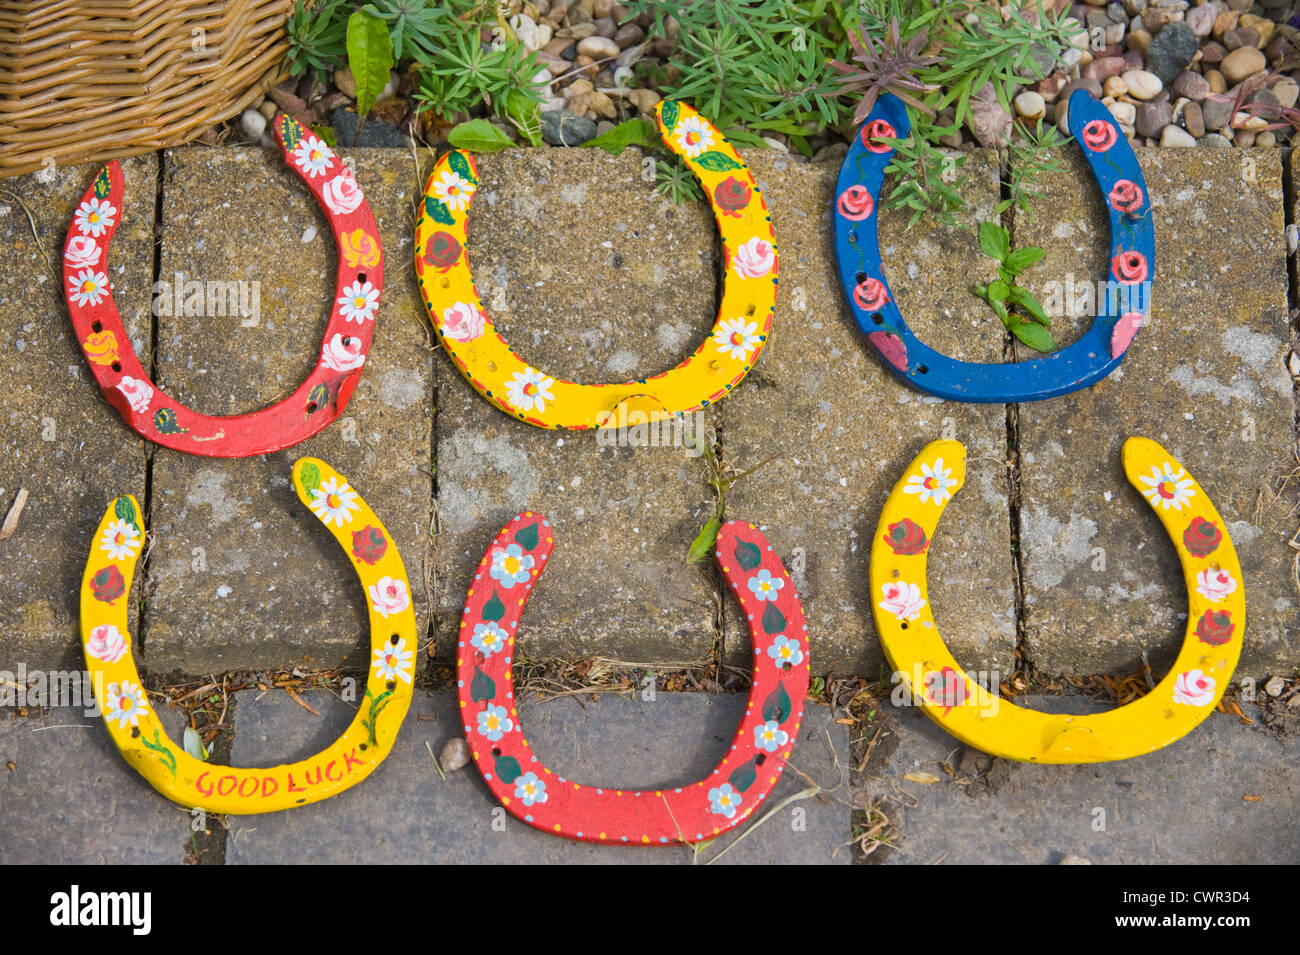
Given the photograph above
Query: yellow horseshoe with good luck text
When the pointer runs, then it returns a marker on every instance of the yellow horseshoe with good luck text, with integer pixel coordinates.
(1186, 696)
(739, 335)
(130, 716)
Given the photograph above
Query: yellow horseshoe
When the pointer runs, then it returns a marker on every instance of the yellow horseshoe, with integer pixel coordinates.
(1216, 620)
(132, 721)
(739, 335)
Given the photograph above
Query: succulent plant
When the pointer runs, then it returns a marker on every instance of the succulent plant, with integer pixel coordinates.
(889, 67)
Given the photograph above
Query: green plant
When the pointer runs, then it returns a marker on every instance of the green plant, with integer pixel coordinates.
(466, 74)
(890, 67)
(1032, 156)
(674, 180)
(316, 36)
(1020, 312)
(370, 56)
(926, 179)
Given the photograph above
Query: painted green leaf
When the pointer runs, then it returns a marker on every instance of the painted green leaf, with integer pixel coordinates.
(743, 776)
(290, 132)
(318, 397)
(715, 161)
(437, 211)
(773, 620)
(165, 420)
(164, 754)
(777, 705)
(634, 132)
(748, 555)
(494, 609)
(508, 769)
(482, 687)
(370, 57)
(103, 186)
(477, 135)
(526, 537)
(460, 164)
(705, 542)
(310, 477)
(125, 512)
(668, 115)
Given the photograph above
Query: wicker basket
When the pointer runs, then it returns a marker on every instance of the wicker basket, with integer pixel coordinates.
(82, 81)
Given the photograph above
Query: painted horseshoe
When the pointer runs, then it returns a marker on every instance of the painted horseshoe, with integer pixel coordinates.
(1216, 620)
(1121, 309)
(135, 727)
(691, 813)
(488, 362)
(318, 401)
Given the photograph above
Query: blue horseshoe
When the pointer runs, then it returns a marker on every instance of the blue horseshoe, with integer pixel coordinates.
(1127, 296)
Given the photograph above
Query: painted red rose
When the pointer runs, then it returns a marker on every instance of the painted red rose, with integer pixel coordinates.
(891, 348)
(1215, 627)
(1099, 135)
(1130, 268)
(946, 688)
(369, 544)
(1127, 196)
(732, 195)
(442, 251)
(107, 584)
(1202, 537)
(870, 294)
(906, 538)
(878, 129)
(855, 203)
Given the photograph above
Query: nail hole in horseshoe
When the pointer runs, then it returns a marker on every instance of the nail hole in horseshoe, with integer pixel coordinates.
(903, 625)
(496, 750)
(311, 407)
(96, 326)
(390, 685)
(752, 309)
(347, 340)
(393, 639)
(116, 366)
(760, 759)
(878, 318)
(922, 369)
(861, 277)
(361, 277)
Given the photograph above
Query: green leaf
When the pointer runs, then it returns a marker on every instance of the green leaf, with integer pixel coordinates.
(634, 132)
(1026, 301)
(125, 512)
(994, 240)
(705, 542)
(777, 705)
(999, 291)
(508, 769)
(715, 161)
(526, 537)
(773, 620)
(480, 136)
(1006, 275)
(309, 477)
(370, 57)
(1022, 259)
(524, 111)
(193, 744)
(668, 115)
(1000, 308)
(437, 211)
(1035, 336)
(482, 687)
(748, 555)
(982, 291)
(743, 776)
(494, 609)
(326, 134)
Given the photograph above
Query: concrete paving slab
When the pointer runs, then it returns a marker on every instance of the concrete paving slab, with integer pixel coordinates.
(68, 798)
(241, 575)
(60, 440)
(843, 429)
(591, 284)
(405, 814)
(1206, 378)
(1191, 803)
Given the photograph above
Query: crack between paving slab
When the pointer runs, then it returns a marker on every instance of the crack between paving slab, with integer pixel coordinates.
(431, 595)
(1293, 311)
(147, 504)
(719, 652)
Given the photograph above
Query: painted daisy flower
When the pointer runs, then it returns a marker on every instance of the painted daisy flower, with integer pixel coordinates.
(1215, 583)
(94, 217)
(511, 566)
(120, 540)
(530, 789)
(724, 800)
(1166, 489)
(932, 483)
(453, 191)
(312, 156)
(529, 390)
(765, 586)
(126, 703)
(693, 136)
(394, 661)
(488, 638)
(333, 501)
(88, 287)
(786, 650)
(494, 723)
(737, 338)
(358, 302)
(769, 737)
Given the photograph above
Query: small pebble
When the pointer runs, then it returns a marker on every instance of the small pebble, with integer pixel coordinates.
(1139, 40)
(562, 127)
(1193, 120)
(597, 47)
(1114, 87)
(1287, 91)
(1191, 85)
(1241, 63)
(1266, 139)
(455, 754)
(253, 124)
(1125, 113)
(1173, 136)
(345, 81)
(1275, 686)
(1214, 141)
(1152, 118)
(1217, 112)
(1244, 139)
(1143, 84)
(1217, 83)
(1030, 106)
(1201, 20)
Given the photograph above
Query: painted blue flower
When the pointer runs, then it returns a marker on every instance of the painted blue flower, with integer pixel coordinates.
(786, 650)
(489, 638)
(765, 586)
(494, 723)
(511, 566)
(769, 736)
(724, 800)
(530, 789)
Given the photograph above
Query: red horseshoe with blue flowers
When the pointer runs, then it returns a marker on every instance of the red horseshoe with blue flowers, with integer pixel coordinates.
(1121, 311)
(317, 401)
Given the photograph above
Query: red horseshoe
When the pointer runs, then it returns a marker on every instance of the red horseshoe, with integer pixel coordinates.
(319, 400)
(690, 813)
